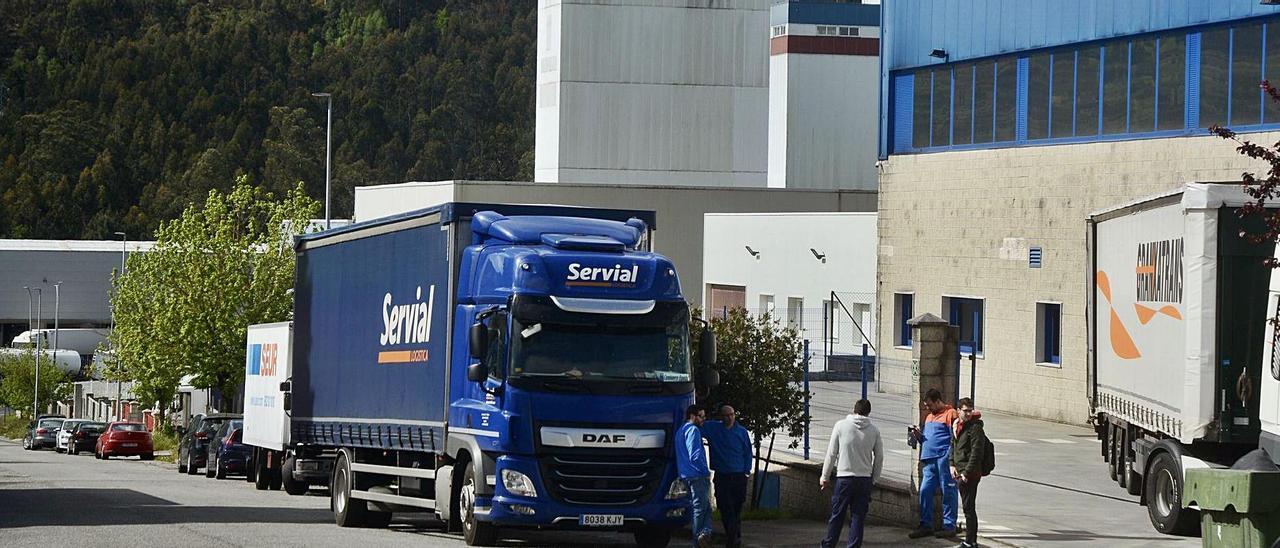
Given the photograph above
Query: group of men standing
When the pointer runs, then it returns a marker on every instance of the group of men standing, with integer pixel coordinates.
(730, 445)
(953, 450)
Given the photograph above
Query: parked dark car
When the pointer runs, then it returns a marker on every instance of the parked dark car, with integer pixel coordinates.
(227, 452)
(42, 432)
(85, 436)
(193, 449)
(123, 439)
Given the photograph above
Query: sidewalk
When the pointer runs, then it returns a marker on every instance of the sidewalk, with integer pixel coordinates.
(797, 533)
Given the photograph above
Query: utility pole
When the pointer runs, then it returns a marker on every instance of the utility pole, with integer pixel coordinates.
(328, 155)
(35, 402)
(30, 330)
(57, 302)
(124, 242)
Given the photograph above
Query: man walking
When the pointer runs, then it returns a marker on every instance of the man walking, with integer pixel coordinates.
(691, 462)
(968, 453)
(935, 452)
(731, 461)
(856, 455)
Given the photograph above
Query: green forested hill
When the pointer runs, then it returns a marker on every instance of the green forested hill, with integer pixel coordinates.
(114, 114)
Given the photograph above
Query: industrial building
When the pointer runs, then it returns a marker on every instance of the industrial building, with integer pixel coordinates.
(716, 93)
(680, 209)
(814, 272)
(68, 278)
(1005, 123)
(824, 65)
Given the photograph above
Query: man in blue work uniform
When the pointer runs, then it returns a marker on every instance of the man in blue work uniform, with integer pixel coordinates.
(731, 461)
(691, 462)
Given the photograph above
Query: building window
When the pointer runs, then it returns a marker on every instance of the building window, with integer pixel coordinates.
(962, 107)
(1038, 96)
(1172, 82)
(922, 104)
(1006, 99)
(903, 304)
(1115, 87)
(1088, 63)
(1215, 70)
(984, 78)
(940, 120)
(966, 313)
(779, 30)
(1061, 105)
(848, 31)
(795, 313)
(766, 306)
(831, 329)
(1049, 333)
(1142, 86)
(1271, 64)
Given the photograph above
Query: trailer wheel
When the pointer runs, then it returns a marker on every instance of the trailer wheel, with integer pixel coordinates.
(261, 476)
(1111, 451)
(474, 531)
(1164, 498)
(291, 486)
(1122, 458)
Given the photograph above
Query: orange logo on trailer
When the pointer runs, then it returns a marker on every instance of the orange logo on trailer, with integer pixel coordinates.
(1158, 279)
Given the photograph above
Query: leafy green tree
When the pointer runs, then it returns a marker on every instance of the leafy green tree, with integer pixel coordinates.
(183, 307)
(18, 381)
(759, 361)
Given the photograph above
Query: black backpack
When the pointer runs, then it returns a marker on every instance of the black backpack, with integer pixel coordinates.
(989, 456)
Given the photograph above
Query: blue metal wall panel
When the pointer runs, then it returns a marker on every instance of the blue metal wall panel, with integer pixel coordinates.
(970, 28)
(903, 93)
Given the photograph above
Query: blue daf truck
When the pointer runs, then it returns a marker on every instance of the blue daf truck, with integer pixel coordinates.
(498, 365)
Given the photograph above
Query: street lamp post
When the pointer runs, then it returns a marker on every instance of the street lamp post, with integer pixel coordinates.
(57, 302)
(328, 155)
(30, 330)
(35, 402)
(124, 242)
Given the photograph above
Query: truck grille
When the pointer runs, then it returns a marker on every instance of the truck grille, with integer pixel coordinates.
(601, 479)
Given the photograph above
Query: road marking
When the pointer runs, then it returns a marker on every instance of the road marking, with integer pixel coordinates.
(1000, 440)
(1057, 441)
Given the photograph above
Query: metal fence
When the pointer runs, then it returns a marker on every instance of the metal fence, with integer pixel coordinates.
(841, 331)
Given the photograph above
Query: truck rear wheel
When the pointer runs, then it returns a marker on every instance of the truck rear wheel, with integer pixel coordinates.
(1111, 451)
(1164, 498)
(349, 512)
(291, 486)
(474, 531)
(1122, 458)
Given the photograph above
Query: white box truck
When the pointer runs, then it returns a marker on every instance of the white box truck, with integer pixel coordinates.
(276, 460)
(1178, 332)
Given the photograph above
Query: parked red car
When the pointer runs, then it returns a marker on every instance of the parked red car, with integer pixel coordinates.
(124, 439)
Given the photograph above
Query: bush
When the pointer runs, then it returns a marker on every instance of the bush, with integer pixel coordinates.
(13, 427)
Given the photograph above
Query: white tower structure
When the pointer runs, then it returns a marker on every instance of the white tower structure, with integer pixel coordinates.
(669, 92)
(824, 68)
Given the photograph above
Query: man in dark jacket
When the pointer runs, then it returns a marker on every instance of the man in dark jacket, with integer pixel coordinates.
(968, 451)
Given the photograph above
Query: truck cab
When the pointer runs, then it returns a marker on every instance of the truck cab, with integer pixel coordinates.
(578, 375)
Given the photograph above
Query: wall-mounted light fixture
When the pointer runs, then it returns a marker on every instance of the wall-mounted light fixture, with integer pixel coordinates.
(819, 256)
(940, 54)
(753, 252)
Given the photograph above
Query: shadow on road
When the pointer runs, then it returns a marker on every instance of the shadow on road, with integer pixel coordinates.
(88, 507)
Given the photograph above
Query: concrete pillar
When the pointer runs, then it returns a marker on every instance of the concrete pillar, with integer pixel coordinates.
(935, 354)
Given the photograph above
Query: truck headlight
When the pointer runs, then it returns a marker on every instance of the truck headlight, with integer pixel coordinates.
(518, 483)
(678, 490)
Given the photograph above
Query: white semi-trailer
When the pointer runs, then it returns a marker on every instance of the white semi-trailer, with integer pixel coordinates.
(1178, 333)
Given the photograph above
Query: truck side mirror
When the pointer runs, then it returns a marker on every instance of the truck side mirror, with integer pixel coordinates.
(286, 386)
(288, 401)
(710, 378)
(477, 372)
(479, 340)
(707, 348)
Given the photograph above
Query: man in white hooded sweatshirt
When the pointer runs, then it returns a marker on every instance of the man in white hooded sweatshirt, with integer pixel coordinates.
(856, 455)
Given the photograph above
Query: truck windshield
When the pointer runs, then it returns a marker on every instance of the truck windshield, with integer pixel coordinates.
(656, 350)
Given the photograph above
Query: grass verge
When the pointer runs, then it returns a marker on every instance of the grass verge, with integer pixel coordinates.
(13, 427)
(164, 439)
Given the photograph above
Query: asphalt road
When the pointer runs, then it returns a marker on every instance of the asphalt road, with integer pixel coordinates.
(51, 499)
(1050, 487)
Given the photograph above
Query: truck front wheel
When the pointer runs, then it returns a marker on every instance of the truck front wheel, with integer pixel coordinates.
(474, 531)
(1164, 498)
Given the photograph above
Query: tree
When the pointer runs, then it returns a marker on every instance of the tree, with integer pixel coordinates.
(759, 361)
(183, 307)
(17, 381)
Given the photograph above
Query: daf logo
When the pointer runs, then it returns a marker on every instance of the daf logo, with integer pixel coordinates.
(604, 438)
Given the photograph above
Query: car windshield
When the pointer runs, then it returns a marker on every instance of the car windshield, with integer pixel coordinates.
(130, 427)
(603, 351)
(51, 423)
(92, 428)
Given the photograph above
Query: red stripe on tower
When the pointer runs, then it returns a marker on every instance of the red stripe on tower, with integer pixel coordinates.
(827, 45)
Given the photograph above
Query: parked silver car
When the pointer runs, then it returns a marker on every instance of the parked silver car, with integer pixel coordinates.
(42, 432)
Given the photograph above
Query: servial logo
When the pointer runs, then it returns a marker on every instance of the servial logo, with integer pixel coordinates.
(406, 324)
(262, 359)
(598, 276)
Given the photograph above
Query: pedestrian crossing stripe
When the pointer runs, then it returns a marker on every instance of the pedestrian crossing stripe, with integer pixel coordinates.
(1057, 441)
(1002, 440)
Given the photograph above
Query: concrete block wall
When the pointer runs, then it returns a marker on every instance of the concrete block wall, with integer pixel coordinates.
(960, 223)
